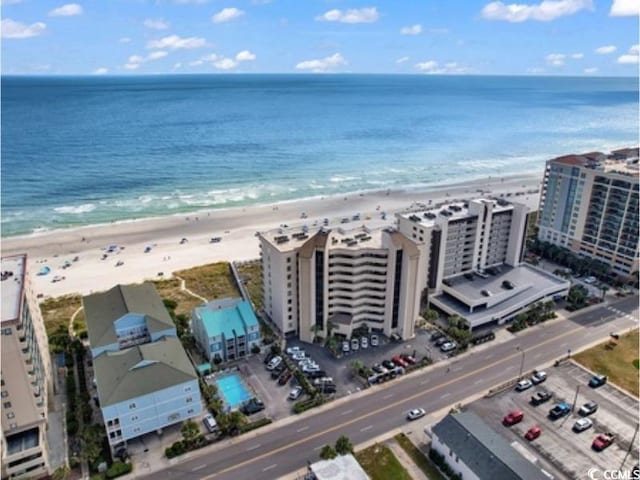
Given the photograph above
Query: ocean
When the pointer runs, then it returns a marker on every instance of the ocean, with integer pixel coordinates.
(86, 150)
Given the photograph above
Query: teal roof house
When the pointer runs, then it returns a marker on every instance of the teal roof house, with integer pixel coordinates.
(226, 328)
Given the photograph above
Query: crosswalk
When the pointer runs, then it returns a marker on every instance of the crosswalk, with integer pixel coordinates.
(621, 313)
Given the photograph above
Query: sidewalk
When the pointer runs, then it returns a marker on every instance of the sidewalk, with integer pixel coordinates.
(406, 461)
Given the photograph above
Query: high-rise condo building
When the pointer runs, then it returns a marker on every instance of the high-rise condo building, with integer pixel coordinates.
(336, 279)
(589, 204)
(26, 375)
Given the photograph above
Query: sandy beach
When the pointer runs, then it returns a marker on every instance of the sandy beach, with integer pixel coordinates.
(235, 226)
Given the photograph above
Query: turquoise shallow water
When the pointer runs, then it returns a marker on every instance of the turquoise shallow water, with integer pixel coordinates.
(85, 150)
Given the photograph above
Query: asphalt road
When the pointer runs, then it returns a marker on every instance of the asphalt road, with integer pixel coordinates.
(285, 449)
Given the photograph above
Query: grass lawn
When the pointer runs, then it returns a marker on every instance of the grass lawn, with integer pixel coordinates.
(171, 289)
(57, 312)
(251, 276)
(381, 464)
(418, 458)
(619, 363)
(211, 281)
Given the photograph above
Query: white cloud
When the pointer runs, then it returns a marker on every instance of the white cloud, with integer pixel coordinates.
(625, 8)
(12, 29)
(326, 64)
(134, 61)
(227, 14)
(245, 56)
(412, 30)
(68, 10)
(156, 24)
(556, 59)
(131, 66)
(577, 56)
(432, 67)
(630, 57)
(606, 49)
(352, 15)
(590, 70)
(177, 66)
(402, 60)
(225, 64)
(174, 42)
(124, 40)
(156, 55)
(196, 63)
(101, 71)
(545, 11)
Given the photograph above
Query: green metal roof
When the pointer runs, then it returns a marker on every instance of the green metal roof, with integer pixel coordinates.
(140, 370)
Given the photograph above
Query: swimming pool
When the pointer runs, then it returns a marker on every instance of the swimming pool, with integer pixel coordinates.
(233, 390)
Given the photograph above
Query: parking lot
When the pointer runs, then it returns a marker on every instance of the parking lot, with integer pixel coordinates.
(559, 445)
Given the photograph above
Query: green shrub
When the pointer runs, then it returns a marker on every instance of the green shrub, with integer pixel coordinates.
(304, 405)
(117, 469)
(255, 349)
(253, 425)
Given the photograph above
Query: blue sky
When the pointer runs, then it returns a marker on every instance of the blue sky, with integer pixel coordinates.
(116, 37)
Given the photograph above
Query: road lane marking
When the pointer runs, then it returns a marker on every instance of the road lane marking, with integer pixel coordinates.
(386, 397)
(445, 395)
(346, 412)
(487, 357)
(424, 382)
(200, 467)
(366, 428)
(478, 382)
(254, 447)
(562, 345)
(269, 467)
(302, 429)
(389, 406)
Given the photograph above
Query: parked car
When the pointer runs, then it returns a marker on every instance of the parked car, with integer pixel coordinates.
(284, 377)
(538, 377)
(320, 381)
(311, 368)
(270, 356)
(448, 346)
(298, 356)
(345, 347)
(210, 422)
(540, 397)
(327, 388)
(294, 350)
(588, 408)
(436, 335)
(374, 341)
(582, 424)
(441, 341)
(364, 342)
(252, 406)
(602, 441)
(533, 433)
(378, 368)
(408, 358)
(416, 413)
(559, 410)
(388, 364)
(305, 361)
(399, 361)
(276, 372)
(275, 361)
(523, 385)
(295, 393)
(590, 280)
(355, 344)
(316, 374)
(597, 381)
(512, 418)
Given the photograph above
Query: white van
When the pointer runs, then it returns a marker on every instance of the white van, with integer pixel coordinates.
(210, 422)
(274, 363)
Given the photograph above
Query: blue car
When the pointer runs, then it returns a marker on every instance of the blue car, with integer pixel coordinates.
(597, 381)
(560, 410)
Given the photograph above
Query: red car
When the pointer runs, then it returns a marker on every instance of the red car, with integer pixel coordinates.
(512, 418)
(533, 433)
(602, 441)
(399, 361)
(408, 359)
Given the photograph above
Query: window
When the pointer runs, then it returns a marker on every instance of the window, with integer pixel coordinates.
(189, 399)
(187, 389)
(4, 394)
(11, 415)
(6, 331)
(7, 404)
(190, 411)
(132, 405)
(134, 418)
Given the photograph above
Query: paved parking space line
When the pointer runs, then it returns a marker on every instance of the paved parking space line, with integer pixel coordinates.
(369, 427)
(269, 467)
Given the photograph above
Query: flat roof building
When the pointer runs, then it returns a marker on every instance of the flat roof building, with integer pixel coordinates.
(144, 377)
(26, 375)
(589, 205)
(476, 452)
(343, 467)
(316, 280)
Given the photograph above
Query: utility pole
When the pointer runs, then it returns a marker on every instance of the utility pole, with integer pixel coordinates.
(575, 399)
(633, 440)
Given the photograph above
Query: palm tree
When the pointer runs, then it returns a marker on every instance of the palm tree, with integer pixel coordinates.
(344, 445)
(328, 452)
(356, 367)
(604, 289)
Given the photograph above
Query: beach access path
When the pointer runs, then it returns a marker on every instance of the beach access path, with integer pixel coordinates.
(236, 227)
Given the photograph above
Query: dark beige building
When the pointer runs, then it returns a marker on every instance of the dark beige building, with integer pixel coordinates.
(589, 204)
(26, 375)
